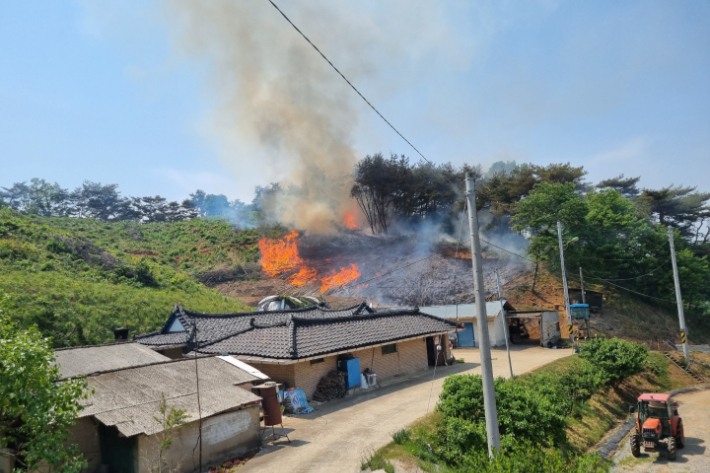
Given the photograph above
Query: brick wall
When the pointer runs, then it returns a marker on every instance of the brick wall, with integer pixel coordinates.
(308, 375)
(278, 373)
(410, 356)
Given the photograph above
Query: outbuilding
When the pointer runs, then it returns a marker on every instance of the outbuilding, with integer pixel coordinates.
(467, 315)
(128, 383)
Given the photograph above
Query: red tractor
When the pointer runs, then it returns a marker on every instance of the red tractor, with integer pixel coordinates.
(657, 420)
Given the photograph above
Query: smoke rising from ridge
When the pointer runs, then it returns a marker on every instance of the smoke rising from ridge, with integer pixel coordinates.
(276, 93)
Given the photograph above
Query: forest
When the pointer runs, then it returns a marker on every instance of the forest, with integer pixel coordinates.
(614, 230)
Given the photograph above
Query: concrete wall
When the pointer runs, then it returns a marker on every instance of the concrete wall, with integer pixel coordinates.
(224, 436)
(550, 327)
(85, 435)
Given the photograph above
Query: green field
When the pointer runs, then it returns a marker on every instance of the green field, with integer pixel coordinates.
(78, 279)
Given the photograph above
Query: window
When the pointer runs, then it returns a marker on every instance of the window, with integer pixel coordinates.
(317, 360)
(387, 349)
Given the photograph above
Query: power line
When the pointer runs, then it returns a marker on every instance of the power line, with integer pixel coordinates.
(346, 80)
(638, 277)
(631, 290)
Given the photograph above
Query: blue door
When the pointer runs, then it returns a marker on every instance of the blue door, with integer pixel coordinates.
(466, 337)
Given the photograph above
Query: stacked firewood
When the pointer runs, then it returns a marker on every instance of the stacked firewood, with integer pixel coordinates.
(330, 386)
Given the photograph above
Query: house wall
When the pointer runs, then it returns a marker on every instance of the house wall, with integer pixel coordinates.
(279, 373)
(172, 353)
(550, 328)
(85, 435)
(495, 330)
(224, 436)
(410, 356)
(308, 375)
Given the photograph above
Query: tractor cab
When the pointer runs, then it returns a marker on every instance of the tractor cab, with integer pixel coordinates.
(656, 420)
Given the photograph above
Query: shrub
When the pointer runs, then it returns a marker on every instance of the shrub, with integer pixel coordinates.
(618, 358)
(528, 457)
(402, 436)
(523, 413)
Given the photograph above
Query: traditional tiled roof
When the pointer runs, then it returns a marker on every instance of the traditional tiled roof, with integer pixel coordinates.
(86, 360)
(129, 399)
(299, 333)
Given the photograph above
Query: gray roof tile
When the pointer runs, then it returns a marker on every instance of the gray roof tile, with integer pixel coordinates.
(300, 333)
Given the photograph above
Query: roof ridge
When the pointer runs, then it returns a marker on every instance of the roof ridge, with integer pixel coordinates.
(121, 342)
(128, 368)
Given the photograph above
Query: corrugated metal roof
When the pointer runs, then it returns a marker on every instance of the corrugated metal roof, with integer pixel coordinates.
(451, 312)
(79, 361)
(129, 399)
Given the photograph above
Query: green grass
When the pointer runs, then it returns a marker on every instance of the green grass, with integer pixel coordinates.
(78, 279)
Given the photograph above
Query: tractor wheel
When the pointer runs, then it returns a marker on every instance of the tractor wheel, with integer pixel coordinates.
(680, 439)
(635, 443)
(671, 448)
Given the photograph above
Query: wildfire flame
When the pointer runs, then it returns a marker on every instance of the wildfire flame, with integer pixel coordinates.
(303, 276)
(344, 276)
(280, 256)
(349, 221)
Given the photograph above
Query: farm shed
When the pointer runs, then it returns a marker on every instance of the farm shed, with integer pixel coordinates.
(299, 346)
(467, 315)
(542, 326)
(117, 426)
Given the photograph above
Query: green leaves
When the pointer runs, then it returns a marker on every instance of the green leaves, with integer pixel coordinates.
(36, 410)
(617, 358)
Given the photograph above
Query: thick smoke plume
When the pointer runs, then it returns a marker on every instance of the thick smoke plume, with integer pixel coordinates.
(275, 92)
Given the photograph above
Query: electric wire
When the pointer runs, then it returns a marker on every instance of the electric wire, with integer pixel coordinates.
(348, 81)
(631, 290)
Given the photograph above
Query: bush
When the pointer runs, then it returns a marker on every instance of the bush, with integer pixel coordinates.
(528, 457)
(618, 358)
(523, 413)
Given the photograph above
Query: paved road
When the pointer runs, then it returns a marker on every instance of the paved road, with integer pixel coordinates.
(339, 434)
(695, 411)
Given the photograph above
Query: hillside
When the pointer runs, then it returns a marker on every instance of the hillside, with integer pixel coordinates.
(78, 279)
(624, 315)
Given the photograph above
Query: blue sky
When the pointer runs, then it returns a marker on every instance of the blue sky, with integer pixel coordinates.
(118, 92)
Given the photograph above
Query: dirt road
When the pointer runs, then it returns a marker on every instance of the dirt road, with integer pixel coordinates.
(695, 411)
(339, 434)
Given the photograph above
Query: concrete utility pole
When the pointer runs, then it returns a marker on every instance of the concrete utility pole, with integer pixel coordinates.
(564, 282)
(484, 345)
(678, 298)
(581, 280)
(505, 324)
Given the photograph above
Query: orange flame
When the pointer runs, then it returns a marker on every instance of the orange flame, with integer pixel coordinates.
(349, 221)
(303, 276)
(280, 256)
(345, 276)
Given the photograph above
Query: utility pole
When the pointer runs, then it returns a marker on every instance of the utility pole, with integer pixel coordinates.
(564, 282)
(505, 324)
(484, 345)
(581, 280)
(678, 297)
(584, 301)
